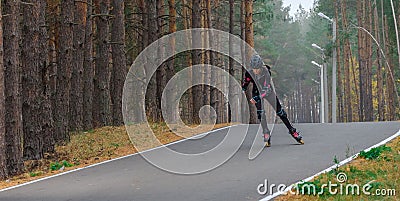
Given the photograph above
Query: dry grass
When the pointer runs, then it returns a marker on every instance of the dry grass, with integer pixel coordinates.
(384, 170)
(94, 146)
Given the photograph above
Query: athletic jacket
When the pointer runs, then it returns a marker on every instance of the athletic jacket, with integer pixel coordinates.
(263, 82)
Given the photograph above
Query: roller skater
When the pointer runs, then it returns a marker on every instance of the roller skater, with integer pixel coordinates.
(262, 80)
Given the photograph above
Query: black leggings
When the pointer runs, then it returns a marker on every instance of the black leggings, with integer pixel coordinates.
(277, 107)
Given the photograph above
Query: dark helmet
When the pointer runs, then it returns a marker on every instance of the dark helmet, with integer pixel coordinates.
(256, 62)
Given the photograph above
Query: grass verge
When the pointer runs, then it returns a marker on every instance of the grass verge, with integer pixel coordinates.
(373, 175)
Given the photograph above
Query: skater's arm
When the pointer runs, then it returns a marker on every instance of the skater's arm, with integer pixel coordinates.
(246, 81)
(266, 87)
(255, 99)
(266, 90)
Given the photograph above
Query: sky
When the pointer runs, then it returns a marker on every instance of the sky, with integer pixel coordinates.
(307, 4)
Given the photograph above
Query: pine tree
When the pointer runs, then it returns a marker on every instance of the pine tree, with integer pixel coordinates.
(118, 59)
(101, 104)
(13, 106)
(64, 66)
(88, 71)
(196, 58)
(249, 38)
(3, 157)
(31, 82)
(76, 103)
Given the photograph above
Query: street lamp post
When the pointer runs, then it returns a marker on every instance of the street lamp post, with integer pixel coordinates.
(322, 108)
(324, 77)
(333, 67)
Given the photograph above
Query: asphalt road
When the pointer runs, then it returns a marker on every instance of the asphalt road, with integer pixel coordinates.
(285, 162)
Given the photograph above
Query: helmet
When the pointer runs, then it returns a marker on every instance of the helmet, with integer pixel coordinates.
(256, 62)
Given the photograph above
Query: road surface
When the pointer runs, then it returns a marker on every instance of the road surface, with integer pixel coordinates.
(134, 179)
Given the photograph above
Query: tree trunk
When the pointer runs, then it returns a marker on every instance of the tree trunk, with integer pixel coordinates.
(213, 76)
(196, 58)
(296, 107)
(187, 25)
(314, 105)
(144, 23)
(118, 58)
(161, 80)
(45, 66)
(292, 107)
(88, 71)
(53, 21)
(3, 157)
(390, 89)
(307, 104)
(362, 59)
(249, 38)
(243, 54)
(151, 32)
(299, 97)
(353, 69)
(380, 94)
(101, 104)
(339, 68)
(397, 41)
(135, 32)
(207, 18)
(346, 54)
(222, 83)
(369, 54)
(76, 103)
(231, 61)
(13, 106)
(170, 65)
(214, 93)
(31, 110)
(65, 55)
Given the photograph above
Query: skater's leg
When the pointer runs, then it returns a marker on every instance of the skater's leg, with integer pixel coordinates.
(274, 101)
(261, 116)
(264, 125)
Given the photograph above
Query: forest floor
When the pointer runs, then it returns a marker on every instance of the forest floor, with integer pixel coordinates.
(91, 147)
(378, 167)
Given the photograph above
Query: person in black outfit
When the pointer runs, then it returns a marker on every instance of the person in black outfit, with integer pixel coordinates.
(260, 75)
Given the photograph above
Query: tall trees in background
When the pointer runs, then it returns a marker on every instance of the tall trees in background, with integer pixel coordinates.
(64, 62)
(368, 45)
(396, 29)
(365, 70)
